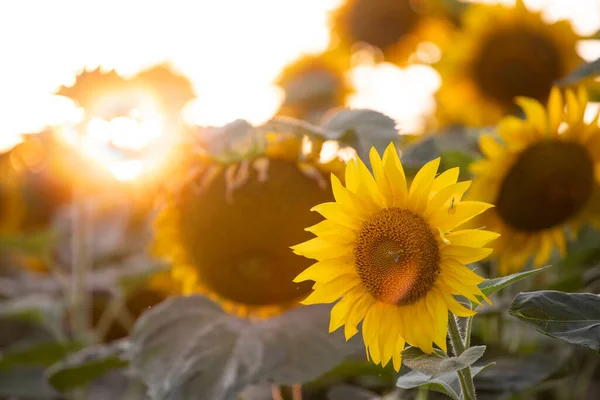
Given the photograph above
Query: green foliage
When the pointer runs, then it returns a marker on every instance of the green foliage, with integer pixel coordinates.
(572, 317)
(437, 363)
(189, 348)
(83, 367)
(448, 384)
(491, 286)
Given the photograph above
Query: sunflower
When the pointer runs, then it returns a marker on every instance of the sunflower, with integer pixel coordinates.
(544, 178)
(396, 27)
(227, 230)
(314, 84)
(393, 256)
(501, 53)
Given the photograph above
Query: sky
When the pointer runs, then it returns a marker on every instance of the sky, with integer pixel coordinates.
(231, 50)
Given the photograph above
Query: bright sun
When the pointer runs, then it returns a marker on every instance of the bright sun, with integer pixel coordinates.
(131, 145)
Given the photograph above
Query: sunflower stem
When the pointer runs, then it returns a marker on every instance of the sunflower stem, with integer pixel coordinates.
(458, 345)
(468, 332)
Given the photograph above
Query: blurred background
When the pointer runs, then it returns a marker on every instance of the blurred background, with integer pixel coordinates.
(101, 102)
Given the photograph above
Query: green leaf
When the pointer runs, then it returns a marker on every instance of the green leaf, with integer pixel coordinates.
(437, 364)
(189, 348)
(83, 367)
(36, 354)
(447, 384)
(491, 286)
(572, 317)
(582, 72)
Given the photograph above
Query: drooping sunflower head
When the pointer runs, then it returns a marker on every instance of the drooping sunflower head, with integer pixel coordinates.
(229, 228)
(395, 27)
(543, 178)
(501, 53)
(313, 85)
(394, 256)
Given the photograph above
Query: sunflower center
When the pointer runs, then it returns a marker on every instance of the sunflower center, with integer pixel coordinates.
(550, 182)
(397, 256)
(517, 63)
(380, 23)
(240, 245)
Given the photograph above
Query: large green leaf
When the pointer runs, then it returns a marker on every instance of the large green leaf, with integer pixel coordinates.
(447, 384)
(491, 286)
(436, 365)
(572, 317)
(582, 72)
(189, 348)
(82, 367)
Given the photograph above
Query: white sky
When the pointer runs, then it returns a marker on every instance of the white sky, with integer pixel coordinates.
(230, 49)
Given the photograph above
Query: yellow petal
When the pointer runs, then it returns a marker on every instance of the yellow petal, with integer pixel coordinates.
(371, 323)
(319, 249)
(535, 113)
(463, 212)
(574, 109)
(332, 211)
(395, 172)
(333, 290)
(342, 308)
(455, 307)
(367, 188)
(460, 272)
(443, 200)
(421, 186)
(381, 178)
(357, 314)
(349, 201)
(351, 176)
(490, 147)
(472, 237)
(464, 254)
(422, 327)
(327, 270)
(451, 284)
(555, 110)
(445, 179)
(439, 313)
(333, 232)
(373, 349)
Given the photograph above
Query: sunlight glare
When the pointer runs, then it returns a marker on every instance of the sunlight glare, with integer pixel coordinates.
(405, 95)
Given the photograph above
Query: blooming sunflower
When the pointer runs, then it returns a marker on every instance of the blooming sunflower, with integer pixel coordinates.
(542, 179)
(501, 53)
(393, 255)
(227, 230)
(395, 27)
(314, 84)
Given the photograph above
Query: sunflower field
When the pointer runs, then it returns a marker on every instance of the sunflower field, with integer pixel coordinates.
(170, 240)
